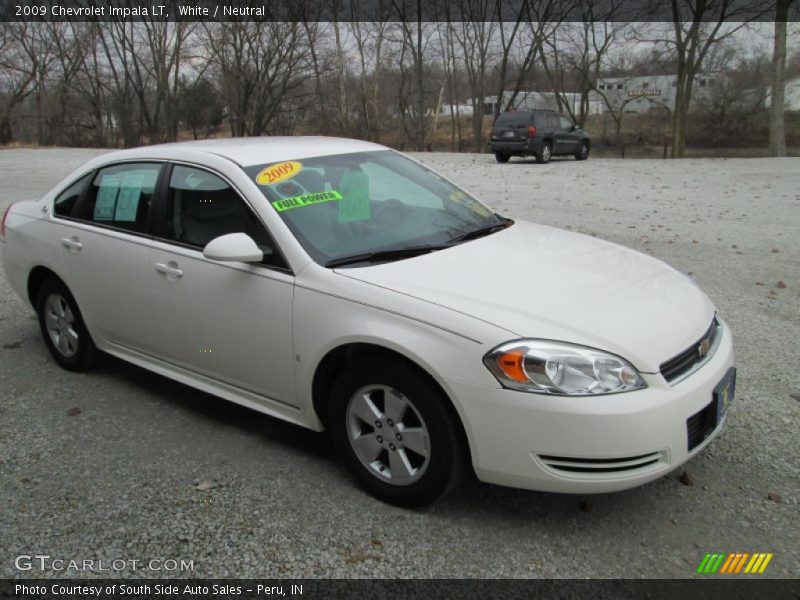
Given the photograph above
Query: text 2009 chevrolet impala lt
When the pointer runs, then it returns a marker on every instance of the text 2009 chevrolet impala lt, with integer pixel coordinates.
(339, 284)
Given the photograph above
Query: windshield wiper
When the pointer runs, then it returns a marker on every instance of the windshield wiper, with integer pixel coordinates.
(384, 255)
(471, 235)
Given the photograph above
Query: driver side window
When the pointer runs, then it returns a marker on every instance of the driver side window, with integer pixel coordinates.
(201, 206)
(565, 123)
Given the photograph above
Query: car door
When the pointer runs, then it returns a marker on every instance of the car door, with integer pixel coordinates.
(104, 245)
(230, 321)
(567, 136)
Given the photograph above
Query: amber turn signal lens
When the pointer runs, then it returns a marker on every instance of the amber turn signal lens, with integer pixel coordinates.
(511, 364)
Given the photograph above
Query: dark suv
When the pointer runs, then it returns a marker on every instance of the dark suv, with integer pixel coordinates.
(541, 133)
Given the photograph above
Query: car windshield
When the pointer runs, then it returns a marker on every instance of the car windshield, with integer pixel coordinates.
(349, 205)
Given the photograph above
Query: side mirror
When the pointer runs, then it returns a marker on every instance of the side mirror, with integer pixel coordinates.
(574, 127)
(233, 247)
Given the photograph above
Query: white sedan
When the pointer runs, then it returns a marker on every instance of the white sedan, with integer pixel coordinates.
(340, 285)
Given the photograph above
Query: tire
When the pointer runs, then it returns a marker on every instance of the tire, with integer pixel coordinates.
(396, 400)
(501, 157)
(582, 153)
(62, 327)
(544, 153)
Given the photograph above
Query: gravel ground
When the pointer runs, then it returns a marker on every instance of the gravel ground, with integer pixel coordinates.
(120, 479)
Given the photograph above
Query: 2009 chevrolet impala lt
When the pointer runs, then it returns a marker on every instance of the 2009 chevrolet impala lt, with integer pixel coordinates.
(340, 285)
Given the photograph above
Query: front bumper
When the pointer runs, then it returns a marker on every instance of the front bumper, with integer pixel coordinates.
(588, 444)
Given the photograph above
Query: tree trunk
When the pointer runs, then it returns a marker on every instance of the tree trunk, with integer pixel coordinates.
(777, 129)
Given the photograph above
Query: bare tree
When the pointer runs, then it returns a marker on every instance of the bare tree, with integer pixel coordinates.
(777, 127)
(16, 77)
(259, 66)
(582, 54)
(414, 39)
(475, 32)
(541, 21)
(698, 25)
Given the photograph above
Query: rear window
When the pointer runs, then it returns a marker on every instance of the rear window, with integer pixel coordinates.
(513, 118)
(66, 200)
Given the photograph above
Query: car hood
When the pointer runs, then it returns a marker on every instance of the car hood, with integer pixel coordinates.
(539, 281)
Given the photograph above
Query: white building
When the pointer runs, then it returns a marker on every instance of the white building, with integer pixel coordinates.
(640, 94)
(791, 95)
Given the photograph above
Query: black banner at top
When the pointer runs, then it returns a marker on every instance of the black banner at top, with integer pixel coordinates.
(734, 11)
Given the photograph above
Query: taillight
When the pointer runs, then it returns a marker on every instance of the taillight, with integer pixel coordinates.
(3, 222)
(531, 131)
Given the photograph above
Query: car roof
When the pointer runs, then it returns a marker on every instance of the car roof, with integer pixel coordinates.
(528, 110)
(246, 151)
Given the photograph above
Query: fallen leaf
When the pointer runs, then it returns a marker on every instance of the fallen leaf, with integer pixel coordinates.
(585, 506)
(795, 396)
(775, 250)
(74, 411)
(12, 345)
(686, 479)
(780, 285)
(203, 486)
(775, 497)
(759, 283)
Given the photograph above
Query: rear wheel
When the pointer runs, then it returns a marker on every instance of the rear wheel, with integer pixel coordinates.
(582, 153)
(501, 157)
(544, 153)
(395, 432)
(62, 327)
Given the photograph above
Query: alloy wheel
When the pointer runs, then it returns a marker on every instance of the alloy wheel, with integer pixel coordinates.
(61, 325)
(388, 435)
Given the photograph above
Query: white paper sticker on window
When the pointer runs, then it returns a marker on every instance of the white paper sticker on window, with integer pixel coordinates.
(129, 194)
(106, 198)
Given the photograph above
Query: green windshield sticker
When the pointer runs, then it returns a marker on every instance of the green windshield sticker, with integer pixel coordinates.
(306, 200)
(355, 189)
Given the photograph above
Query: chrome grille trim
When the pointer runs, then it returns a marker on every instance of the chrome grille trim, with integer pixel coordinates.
(681, 366)
(597, 468)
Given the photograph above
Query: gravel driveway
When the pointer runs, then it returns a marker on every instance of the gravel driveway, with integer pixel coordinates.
(124, 464)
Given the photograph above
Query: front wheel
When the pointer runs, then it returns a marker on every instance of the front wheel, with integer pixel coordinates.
(62, 327)
(582, 153)
(544, 153)
(395, 432)
(501, 157)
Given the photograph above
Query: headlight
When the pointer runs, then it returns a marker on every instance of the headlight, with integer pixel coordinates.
(559, 368)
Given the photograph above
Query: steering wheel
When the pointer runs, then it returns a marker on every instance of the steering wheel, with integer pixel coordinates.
(391, 212)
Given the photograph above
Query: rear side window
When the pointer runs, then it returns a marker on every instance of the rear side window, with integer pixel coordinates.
(513, 118)
(120, 196)
(67, 199)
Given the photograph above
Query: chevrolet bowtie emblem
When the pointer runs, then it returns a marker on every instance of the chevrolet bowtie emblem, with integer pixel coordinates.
(703, 348)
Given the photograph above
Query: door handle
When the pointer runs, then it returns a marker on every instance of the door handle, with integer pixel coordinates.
(170, 268)
(72, 243)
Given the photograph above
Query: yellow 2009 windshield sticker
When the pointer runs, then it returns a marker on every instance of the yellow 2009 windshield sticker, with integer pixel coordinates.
(305, 200)
(278, 172)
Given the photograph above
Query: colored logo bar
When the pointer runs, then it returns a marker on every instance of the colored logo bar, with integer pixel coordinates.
(735, 563)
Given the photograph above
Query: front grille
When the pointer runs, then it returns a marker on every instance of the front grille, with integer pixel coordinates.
(590, 466)
(690, 359)
(700, 425)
